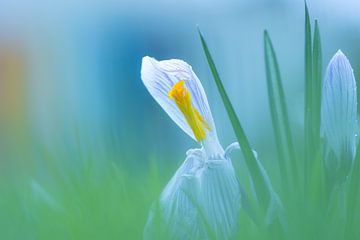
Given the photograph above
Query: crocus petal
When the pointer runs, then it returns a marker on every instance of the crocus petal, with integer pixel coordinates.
(160, 76)
(221, 197)
(339, 115)
(178, 205)
(201, 201)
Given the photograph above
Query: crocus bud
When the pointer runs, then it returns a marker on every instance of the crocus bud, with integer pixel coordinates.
(339, 118)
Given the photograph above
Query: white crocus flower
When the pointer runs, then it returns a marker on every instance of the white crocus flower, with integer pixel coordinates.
(339, 118)
(202, 200)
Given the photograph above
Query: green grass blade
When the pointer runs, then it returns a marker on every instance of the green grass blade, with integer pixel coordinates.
(271, 76)
(259, 181)
(353, 193)
(308, 98)
(316, 86)
(279, 113)
(313, 85)
(315, 164)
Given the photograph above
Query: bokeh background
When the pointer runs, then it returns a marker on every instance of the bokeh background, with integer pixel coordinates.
(70, 82)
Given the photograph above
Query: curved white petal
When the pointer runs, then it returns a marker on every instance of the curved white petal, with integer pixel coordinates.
(339, 113)
(220, 197)
(178, 205)
(201, 201)
(160, 76)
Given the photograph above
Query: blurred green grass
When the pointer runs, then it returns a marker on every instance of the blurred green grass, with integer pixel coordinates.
(113, 202)
(92, 202)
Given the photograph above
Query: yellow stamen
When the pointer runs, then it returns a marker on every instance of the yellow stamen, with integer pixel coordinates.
(182, 99)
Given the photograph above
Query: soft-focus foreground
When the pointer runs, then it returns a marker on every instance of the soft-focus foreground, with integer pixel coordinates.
(86, 154)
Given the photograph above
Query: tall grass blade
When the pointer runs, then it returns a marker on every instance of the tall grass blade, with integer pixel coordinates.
(315, 162)
(279, 114)
(250, 159)
(308, 99)
(353, 193)
(316, 86)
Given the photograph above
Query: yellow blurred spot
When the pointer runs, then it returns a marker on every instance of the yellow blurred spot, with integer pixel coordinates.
(12, 85)
(182, 99)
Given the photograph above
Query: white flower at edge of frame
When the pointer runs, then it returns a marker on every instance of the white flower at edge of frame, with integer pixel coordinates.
(339, 117)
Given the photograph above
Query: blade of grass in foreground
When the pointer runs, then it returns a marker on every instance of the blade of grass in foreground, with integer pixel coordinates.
(308, 98)
(279, 115)
(316, 86)
(353, 193)
(315, 164)
(313, 80)
(251, 162)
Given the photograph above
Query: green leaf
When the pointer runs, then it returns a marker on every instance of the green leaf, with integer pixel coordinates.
(279, 115)
(354, 190)
(308, 98)
(313, 87)
(315, 173)
(260, 186)
(316, 86)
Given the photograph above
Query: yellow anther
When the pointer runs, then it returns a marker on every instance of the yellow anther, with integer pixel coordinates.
(182, 98)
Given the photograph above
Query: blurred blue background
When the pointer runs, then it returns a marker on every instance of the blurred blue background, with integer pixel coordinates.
(70, 72)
